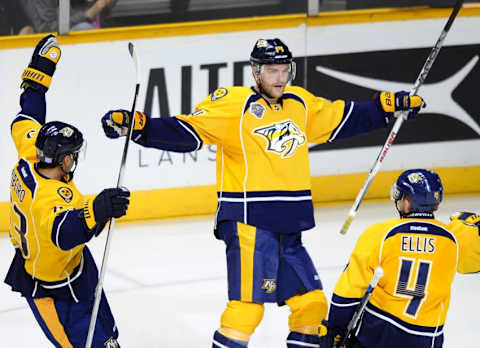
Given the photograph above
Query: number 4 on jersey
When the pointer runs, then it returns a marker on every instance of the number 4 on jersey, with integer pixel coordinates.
(417, 294)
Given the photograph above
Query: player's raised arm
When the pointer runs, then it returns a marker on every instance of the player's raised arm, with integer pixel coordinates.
(166, 133)
(36, 80)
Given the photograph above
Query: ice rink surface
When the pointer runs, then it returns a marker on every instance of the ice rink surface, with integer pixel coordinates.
(166, 281)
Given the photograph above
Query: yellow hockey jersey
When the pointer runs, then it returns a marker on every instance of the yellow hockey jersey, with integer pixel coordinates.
(419, 258)
(263, 173)
(35, 203)
(466, 227)
(48, 227)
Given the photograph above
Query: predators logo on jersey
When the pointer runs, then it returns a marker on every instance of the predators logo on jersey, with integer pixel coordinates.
(269, 285)
(283, 137)
(219, 93)
(65, 193)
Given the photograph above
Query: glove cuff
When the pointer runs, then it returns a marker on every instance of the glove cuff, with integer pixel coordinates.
(88, 214)
(37, 76)
(140, 121)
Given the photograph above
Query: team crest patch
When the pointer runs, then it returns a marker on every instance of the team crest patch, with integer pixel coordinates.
(257, 110)
(283, 138)
(262, 43)
(219, 93)
(66, 131)
(269, 285)
(415, 177)
(66, 193)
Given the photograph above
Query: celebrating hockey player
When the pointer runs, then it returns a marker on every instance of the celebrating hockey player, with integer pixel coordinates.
(466, 227)
(263, 183)
(418, 255)
(51, 220)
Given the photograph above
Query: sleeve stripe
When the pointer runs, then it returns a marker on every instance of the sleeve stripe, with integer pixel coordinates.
(332, 138)
(345, 304)
(197, 139)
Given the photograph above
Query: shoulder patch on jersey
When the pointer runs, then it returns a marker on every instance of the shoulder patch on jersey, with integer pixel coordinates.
(66, 193)
(257, 110)
(219, 93)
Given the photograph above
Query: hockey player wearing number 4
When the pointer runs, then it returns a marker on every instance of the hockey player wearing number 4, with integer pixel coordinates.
(263, 183)
(418, 254)
(51, 221)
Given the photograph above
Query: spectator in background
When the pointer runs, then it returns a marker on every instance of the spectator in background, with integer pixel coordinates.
(13, 19)
(43, 14)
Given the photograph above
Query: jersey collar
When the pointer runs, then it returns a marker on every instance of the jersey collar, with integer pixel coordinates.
(420, 216)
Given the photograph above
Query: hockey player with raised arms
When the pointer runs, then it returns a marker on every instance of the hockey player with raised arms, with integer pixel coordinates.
(418, 254)
(263, 183)
(51, 220)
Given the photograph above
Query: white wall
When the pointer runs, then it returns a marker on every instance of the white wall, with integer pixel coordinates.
(92, 78)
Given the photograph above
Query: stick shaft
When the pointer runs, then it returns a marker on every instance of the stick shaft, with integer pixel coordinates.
(398, 123)
(377, 275)
(106, 253)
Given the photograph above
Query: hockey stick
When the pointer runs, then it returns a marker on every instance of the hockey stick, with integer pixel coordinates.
(352, 325)
(98, 289)
(398, 123)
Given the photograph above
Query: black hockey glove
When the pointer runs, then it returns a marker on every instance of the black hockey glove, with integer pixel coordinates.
(391, 103)
(115, 123)
(42, 66)
(110, 203)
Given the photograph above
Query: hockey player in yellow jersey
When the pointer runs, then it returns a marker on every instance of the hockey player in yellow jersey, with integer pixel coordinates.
(263, 183)
(51, 220)
(466, 227)
(418, 254)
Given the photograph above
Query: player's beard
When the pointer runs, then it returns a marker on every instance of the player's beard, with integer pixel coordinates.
(264, 92)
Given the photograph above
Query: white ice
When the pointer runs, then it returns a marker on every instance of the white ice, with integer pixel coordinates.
(166, 281)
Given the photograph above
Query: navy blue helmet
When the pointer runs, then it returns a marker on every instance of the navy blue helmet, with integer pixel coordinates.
(56, 140)
(422, 186)
(270, 51)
